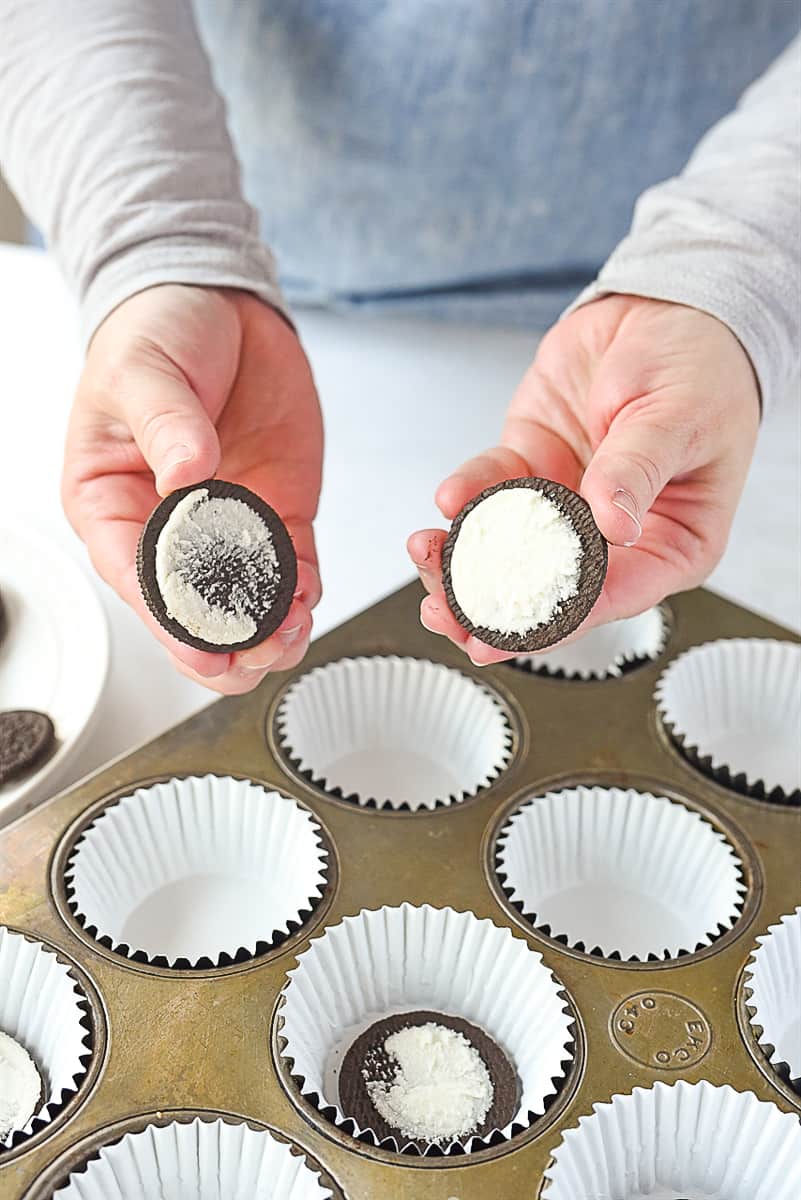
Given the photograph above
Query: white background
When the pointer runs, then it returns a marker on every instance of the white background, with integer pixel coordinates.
(404, 403)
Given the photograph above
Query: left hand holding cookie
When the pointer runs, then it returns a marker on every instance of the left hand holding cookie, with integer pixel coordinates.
(650, 410)
(182, 384)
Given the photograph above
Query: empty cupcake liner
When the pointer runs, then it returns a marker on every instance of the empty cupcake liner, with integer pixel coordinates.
(398, 733)
(207, 1160)
(197, 873)
(43, 1008)
(393, 960)
(733, 709)
(605, 652)
(689, 1140)
(773, 997)
(619, 874)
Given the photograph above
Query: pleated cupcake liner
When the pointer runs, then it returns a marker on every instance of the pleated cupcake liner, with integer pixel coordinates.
(363, 729)
(772, 982)
(407, 958)
(178, 1157)
(681, 1139)
(40, 994)
(190, 832)
(605, 652)
(755, 683)
(558, 841)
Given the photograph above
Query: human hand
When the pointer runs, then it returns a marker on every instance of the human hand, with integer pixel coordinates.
(651, 411)
(180, 384)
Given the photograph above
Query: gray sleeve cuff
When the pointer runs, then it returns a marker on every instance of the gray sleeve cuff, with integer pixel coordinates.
(180, 260)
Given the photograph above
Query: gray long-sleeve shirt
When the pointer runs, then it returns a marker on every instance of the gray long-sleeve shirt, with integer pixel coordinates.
(470, 157)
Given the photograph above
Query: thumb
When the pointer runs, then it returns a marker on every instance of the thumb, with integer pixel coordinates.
(634, 462)
(172, 429)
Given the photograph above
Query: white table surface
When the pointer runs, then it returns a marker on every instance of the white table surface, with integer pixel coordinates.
(404, 402)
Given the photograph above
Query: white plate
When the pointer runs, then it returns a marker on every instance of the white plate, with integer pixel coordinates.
(54, 654)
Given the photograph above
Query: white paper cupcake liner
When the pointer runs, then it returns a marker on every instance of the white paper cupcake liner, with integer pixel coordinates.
(733, 709)
(43, 1008)
(393, 732)
(773, 997)
(394, 960)
(689, 1140)
(197, 873)
(605, 652)
(201, 1160)
(618, 873)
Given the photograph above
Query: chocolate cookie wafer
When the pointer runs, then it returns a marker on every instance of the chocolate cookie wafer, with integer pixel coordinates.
(523, 564)
(425, 1078)
(217, 567)
(27, 738)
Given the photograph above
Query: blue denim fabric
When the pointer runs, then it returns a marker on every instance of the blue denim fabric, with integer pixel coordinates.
(470, 158)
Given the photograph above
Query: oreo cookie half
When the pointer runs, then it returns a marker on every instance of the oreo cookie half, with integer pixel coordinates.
(217, 567)
(27, 738)
(425, 1079)
(21, 1087)
(523, 564)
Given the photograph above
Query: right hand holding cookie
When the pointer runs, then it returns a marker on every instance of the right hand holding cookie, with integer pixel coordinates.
(180, 384)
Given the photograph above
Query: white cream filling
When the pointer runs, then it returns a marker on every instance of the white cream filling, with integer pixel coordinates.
(516, 560)
(20, 1086)
(209, 530)
(442, 1089)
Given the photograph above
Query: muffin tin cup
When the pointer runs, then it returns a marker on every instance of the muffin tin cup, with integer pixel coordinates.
(605, 652)
(773, 997)
(390, 732)
(395, 960)
(197, 873)
(733, 710)
(43, 1008)
(691, 1140)
(205, 1159)
(619, 874)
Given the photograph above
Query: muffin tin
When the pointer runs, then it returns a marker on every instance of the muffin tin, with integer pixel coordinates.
(209, 1036)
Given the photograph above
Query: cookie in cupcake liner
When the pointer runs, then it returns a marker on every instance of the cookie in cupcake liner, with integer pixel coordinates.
(216, 566)
(605, 652)
(390, 732)
(772, 993)
(45, 1013)
(197, 873)
(618, 873)
(732, 708)
(523, 564)
(203, 1157)
(407, 959)
(688, 1140)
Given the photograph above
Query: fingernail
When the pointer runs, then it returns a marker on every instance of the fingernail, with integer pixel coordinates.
(288, 636)
(424, 611)
(625, 502)
(266, 657)
(175, 456)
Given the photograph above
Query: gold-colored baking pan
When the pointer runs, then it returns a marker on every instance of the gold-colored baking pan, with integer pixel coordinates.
(206, 1040)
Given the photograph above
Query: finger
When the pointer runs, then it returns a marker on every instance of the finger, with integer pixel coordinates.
(234, 682)
(295, 630)
(308, 587)
(641, 576)
(425, 551)
(633, 464)
(483, 471)
(438, 618)
(172, 429)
